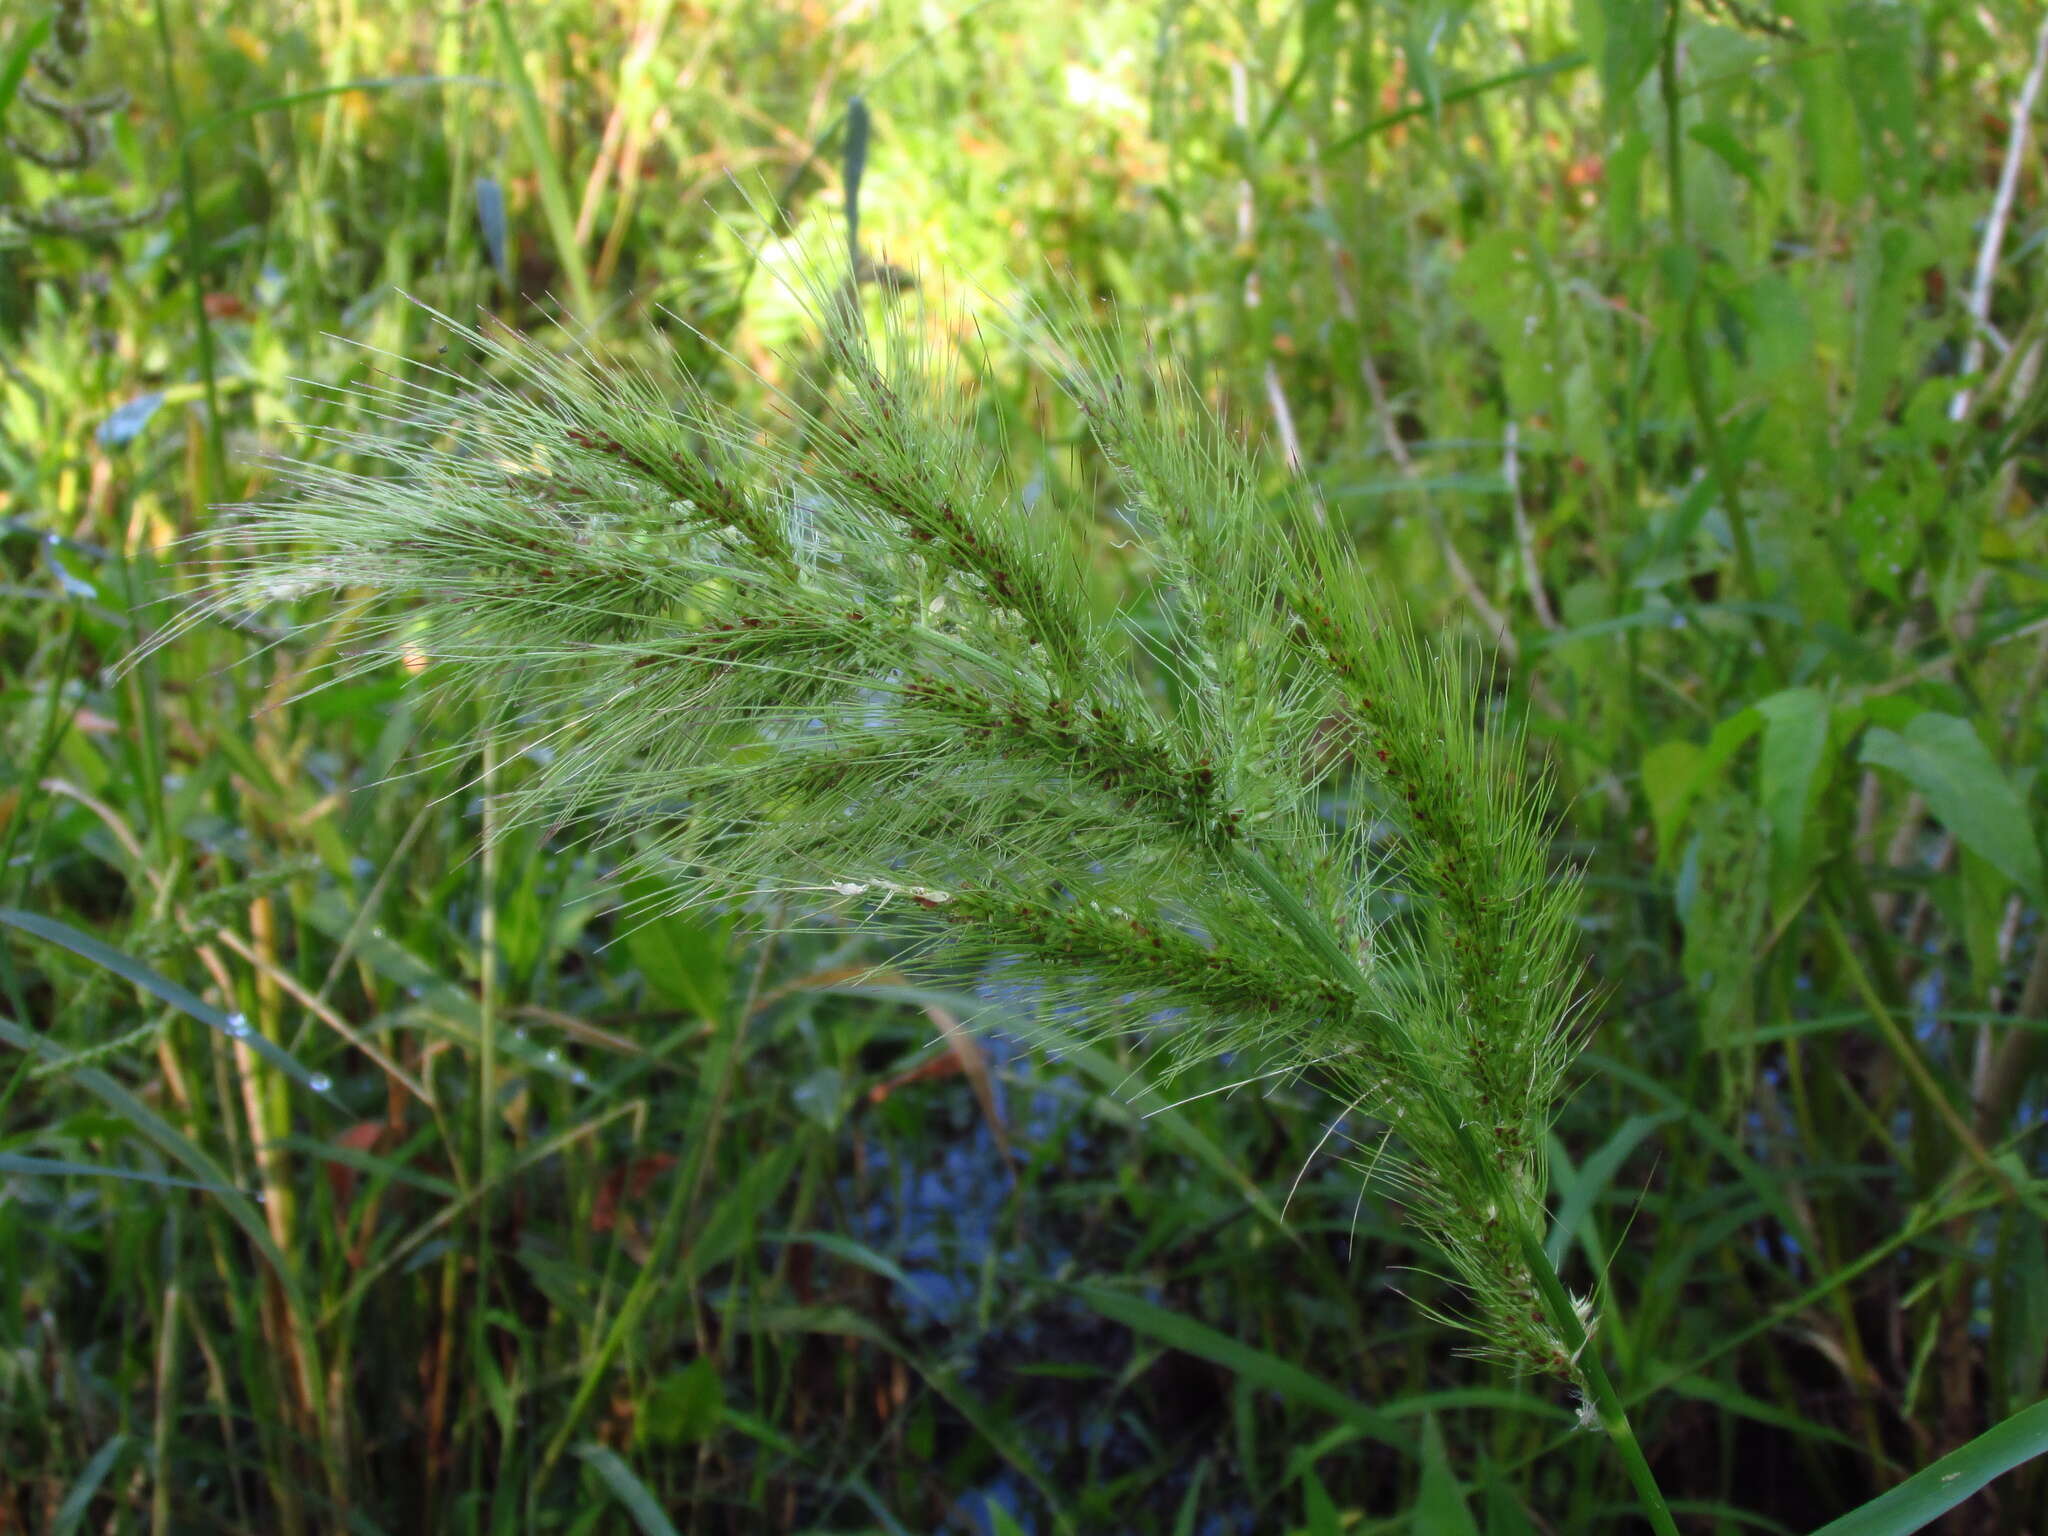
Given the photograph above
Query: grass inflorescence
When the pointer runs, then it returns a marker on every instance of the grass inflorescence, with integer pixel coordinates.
(844, 661)
(1679, 367)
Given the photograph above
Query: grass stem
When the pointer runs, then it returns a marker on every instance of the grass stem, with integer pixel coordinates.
(1557, 1303)
(215, 487)
(1699, 384)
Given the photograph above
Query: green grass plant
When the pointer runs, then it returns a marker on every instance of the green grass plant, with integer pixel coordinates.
(617, 1213)
(854, 665)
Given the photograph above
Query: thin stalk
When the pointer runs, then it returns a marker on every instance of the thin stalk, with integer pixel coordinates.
(488, 1002)
(1698, 384)
(54, 723)
(188, 223)
(1607, 1401)
(547, 170)
(166, 1393)
(1909, 1059)
(677, 1215)
(487, 1085)
(1557, 1303)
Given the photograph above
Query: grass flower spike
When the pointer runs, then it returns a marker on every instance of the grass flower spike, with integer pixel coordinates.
(850, 663)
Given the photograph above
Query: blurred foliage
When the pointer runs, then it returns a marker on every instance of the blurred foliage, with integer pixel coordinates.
(560, 1222)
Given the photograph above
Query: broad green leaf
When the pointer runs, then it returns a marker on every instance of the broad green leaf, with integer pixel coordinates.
(1791, 775)
(640, 1502)
(1504, 1512)
(1980, 902)
(1671, 780)
(1780, 333)
(1502, 283)
(1723, 896)
(729, 1227)
(1440, 1508)
(1888, 268)
(683, 1407)
(1828, 114)
(1622, 34)
(1253, 1366)
(683, 957)
(1728, 737)
(1881, 63)
(1730, 150)
(1935, 1490)
(1624, 200)
(1944, 759)
(1884, 522)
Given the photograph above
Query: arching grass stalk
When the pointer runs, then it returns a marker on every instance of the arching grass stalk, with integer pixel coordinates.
(851, 666)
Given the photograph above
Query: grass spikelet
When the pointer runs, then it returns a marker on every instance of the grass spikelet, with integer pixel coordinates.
(846, 663)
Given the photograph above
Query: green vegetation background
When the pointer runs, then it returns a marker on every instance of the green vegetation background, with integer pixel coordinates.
(1690, 364)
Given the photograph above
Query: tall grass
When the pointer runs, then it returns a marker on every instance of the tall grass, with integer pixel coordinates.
(736, 1233)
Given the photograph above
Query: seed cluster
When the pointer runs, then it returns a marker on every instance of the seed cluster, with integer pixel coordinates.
(1412, 764)
(1096, 743)
(1148, 951)
(850, 663)
(713, 499)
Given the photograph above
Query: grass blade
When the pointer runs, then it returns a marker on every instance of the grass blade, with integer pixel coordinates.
(290, 99)
(58, 1168)
(1440, 1508)
(11, 73)
(554, 198)
(1935, 1490)
(72, 1511)
(639, 1500)
(86, 947)
(168, 1140)
(1254, 1365)
(1564, 63)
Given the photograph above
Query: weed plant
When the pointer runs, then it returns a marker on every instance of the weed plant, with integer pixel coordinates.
(1277, 829)
(695, 1216)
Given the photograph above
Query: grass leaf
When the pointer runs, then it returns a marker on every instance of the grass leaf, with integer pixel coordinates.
(1440, 1508)
(78, 1498)
(1255, 1367)
(1933, 1491)
(640, 1503)
(86, 947)
(15, 68)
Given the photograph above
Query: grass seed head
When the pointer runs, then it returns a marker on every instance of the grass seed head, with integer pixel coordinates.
(851, 665)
